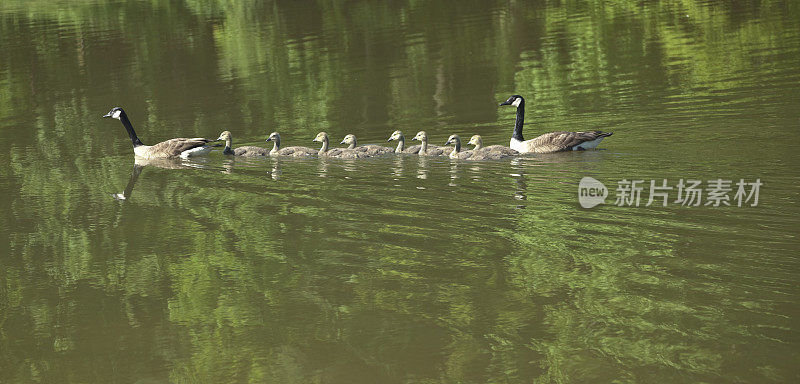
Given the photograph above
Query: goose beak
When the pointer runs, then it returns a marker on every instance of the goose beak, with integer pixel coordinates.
(504, 103)
(107, 115)
(389, 139)
(447, 142)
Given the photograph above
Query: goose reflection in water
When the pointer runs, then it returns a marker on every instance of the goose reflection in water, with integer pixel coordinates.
(453, 174)
(422, 168)
(398, 167)
(139, 164)
(520, 183)
(275, 173)
(323, 167)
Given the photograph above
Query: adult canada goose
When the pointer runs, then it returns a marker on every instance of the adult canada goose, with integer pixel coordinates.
(246, 151)
(343, 153)
(553, 141)
(369, 149)
(491, 152)
(457, 153)
(179, 147)
(401, 143)
(287, 151)
(426, 149)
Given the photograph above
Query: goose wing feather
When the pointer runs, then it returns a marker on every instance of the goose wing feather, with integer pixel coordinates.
(561, 141)
(174, 147)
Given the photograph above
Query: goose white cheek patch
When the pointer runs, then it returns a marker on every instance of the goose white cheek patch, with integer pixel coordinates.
(116, 114)
(516, 102)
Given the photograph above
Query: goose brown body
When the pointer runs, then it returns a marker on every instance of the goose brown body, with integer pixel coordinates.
(177, 147)
(553, 141)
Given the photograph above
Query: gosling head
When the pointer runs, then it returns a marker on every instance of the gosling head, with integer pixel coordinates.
(475, 140)
(515, 100)
(453, 139)
(224, 136)
(421, 136)
(115, 113)
(274, 136)
(349, 139)
(321, 137)
(396, 135)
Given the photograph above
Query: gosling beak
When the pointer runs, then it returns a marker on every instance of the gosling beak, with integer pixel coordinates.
(342, 142)
(448, 142)
(107, 115)
(389, 139)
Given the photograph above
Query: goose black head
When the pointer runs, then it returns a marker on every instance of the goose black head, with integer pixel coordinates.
(515, 100)
(114, 113)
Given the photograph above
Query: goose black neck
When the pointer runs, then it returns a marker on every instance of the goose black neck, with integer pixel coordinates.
(129, 127)
(520, 121)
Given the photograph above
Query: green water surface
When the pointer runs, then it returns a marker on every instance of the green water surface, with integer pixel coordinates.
(398, 269)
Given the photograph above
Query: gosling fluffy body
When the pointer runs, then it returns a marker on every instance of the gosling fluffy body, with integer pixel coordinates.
(245, 151)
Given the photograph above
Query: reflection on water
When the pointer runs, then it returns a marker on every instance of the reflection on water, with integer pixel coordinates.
(399, 268)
